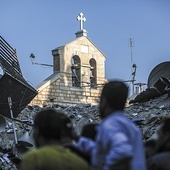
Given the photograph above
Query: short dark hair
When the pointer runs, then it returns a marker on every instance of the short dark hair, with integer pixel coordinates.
(115, 92)
(52, 124)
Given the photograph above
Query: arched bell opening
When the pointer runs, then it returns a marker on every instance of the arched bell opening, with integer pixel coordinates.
(93, 72)
(75, 68)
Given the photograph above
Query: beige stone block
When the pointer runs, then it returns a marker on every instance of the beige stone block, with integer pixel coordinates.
(58, 91)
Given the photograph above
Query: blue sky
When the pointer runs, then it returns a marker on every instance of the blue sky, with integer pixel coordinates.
(36, 26)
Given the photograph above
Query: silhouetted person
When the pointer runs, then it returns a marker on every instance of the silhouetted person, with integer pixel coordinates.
(161, 159)
(118, 143)
(89, 131)
(51, 130)
(86, 140)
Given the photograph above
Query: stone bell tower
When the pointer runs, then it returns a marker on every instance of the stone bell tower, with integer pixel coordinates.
(78, 71)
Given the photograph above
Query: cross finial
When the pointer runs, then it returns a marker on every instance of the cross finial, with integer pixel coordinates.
(81, 19)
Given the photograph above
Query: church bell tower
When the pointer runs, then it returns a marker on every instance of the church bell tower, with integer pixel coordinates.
(78, 72)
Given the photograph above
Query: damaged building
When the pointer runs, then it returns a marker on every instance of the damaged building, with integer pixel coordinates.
(14, 89)
(74, 88)
(15, 94)
(158, 83)
(78, 73)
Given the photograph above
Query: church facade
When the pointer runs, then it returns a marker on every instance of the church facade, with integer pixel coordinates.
(78, 73)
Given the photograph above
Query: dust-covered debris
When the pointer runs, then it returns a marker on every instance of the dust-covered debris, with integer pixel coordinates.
(152, 112)
(147, 115)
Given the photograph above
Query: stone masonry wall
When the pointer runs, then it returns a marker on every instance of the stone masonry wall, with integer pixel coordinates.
(61, 90)
(61, 94)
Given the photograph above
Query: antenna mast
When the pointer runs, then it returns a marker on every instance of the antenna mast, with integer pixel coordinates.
(133, 66)
(131, 52)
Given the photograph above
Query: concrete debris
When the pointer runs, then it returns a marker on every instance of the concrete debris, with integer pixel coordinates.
(147, 115)
(161, 87)
(152, 112)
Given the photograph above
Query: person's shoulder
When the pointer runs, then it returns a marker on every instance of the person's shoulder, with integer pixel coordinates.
(111, 122)
(76, 160)
(30, 152)
(44, 149)
(117, 116)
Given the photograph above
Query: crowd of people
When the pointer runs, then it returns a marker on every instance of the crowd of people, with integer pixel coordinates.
(114, 144)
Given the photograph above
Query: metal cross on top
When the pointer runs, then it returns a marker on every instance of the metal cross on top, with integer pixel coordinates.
(81, 19)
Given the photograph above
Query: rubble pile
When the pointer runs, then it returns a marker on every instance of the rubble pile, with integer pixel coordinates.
(150, 114)
(147, 115)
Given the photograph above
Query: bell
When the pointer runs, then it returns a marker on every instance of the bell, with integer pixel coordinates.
(2, 123)
(26, 140)
(91, 75)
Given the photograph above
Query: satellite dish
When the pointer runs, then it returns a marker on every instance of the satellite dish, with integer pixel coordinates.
(161, 70)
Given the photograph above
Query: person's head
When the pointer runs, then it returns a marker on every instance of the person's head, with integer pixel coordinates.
(163, 133)
(51, 125)
(89, 131)
(113, 97)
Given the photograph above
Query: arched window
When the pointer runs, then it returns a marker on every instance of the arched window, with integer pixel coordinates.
(93, 72)
(75, 68)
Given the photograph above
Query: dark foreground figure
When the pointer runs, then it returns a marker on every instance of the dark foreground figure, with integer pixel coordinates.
(52, 130)
(161, 159)
(118, 141)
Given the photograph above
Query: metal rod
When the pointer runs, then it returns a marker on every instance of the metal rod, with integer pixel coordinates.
(49, 65)
(13, 122)
(21, 121)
